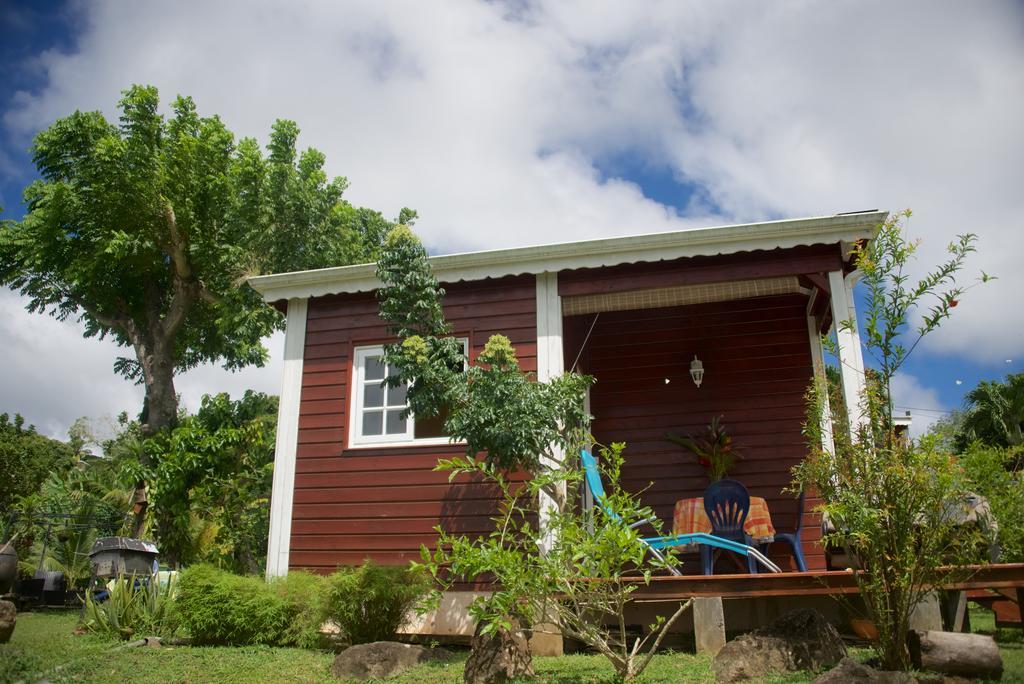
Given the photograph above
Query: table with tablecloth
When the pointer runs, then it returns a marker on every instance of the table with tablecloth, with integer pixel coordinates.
(690, 517)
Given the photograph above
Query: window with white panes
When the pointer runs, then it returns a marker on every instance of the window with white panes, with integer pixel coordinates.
(377, 409)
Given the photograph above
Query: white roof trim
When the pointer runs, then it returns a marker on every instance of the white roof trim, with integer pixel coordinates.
(840, 228)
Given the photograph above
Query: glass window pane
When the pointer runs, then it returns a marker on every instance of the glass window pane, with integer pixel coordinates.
(395, 423)
(373, 422)
(373, 394)
(374, 368)
(396, 395)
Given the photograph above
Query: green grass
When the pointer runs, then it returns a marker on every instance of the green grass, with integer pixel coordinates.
(44, 646)
(1011, 642)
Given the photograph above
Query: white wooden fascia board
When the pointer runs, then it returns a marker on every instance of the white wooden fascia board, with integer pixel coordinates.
(282, 494)
(470, 266)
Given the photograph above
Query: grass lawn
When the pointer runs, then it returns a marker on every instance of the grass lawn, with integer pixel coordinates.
(44, 646)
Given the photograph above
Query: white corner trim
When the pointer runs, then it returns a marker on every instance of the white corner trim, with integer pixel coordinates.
(540, 259)
(287, 440)
(850, 356)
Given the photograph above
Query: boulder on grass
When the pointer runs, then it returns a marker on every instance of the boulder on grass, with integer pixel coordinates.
(382, 659)
(849, 670)
(497, 658)
(8, 616)
(799, 640)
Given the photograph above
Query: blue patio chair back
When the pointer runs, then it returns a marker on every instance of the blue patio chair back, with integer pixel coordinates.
(593, 477)
(727, 503)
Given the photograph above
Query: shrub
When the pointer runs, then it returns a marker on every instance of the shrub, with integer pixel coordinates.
(369, 602)
(993, 474)
(890, 500)
(132, 608)
(302, 593)
(218, 607)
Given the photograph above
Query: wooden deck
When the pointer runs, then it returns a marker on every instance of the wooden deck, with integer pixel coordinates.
(1003, 576)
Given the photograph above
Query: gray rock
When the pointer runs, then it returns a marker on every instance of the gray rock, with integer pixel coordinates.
(8, 617)
(849, 670)
(799, 640)
(498, 658)
(382, 659)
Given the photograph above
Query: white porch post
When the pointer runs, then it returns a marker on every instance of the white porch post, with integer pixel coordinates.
(550, 361)
(851, 358)
(287, 440)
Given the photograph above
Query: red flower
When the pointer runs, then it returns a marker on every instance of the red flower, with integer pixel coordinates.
(705, 462)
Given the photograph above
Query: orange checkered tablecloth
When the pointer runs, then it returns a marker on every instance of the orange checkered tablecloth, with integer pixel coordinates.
(689, 517)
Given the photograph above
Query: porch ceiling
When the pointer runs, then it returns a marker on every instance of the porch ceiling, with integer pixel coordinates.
(680, 295)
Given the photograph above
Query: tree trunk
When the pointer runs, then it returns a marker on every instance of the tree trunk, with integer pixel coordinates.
(956, 653)
(159, 413)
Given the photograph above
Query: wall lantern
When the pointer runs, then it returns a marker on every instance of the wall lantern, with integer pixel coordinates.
(696, 371)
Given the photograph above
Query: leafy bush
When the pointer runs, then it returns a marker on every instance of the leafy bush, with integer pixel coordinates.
(992, 474)
(369, 602)
(302, 593)
(890, 500)
(218, 607)
(133, 608)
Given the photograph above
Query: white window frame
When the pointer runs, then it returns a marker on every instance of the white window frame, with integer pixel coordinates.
(356, 440)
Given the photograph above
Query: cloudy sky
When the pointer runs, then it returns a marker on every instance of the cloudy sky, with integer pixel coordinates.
(513, 123)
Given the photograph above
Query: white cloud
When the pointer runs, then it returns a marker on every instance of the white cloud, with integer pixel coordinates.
(488, 117)
(52, 375)
(923, 404)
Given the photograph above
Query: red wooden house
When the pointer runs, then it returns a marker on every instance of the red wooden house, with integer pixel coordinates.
(354, 480)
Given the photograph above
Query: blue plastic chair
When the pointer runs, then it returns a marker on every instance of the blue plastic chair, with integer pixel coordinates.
(793, 538)
(726, 503)
(656, 544)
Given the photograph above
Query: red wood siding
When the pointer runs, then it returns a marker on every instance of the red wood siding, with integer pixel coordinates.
(757, 362)
(383, 502)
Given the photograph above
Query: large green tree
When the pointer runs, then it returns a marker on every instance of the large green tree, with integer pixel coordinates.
(26, 459)
(145, 230)
(994, 413)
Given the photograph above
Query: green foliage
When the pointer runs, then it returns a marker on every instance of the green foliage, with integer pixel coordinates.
(494, 407)
(370, 602)
(891, 298)
(218, 607)
(57, 524)
(133, 608)
(994, 413)
(714, 449)
(215, 467)
(572, 571)
(305, 594)
(27, 458)
(893, 504)
(144, 230)
(994, 473)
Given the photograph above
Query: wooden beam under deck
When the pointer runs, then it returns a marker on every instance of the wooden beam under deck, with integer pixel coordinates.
(996, 576)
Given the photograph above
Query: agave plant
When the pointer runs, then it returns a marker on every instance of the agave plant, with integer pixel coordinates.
(132, 606)
(714, 448)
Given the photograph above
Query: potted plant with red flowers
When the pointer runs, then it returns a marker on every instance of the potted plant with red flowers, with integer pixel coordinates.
(713, 448)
